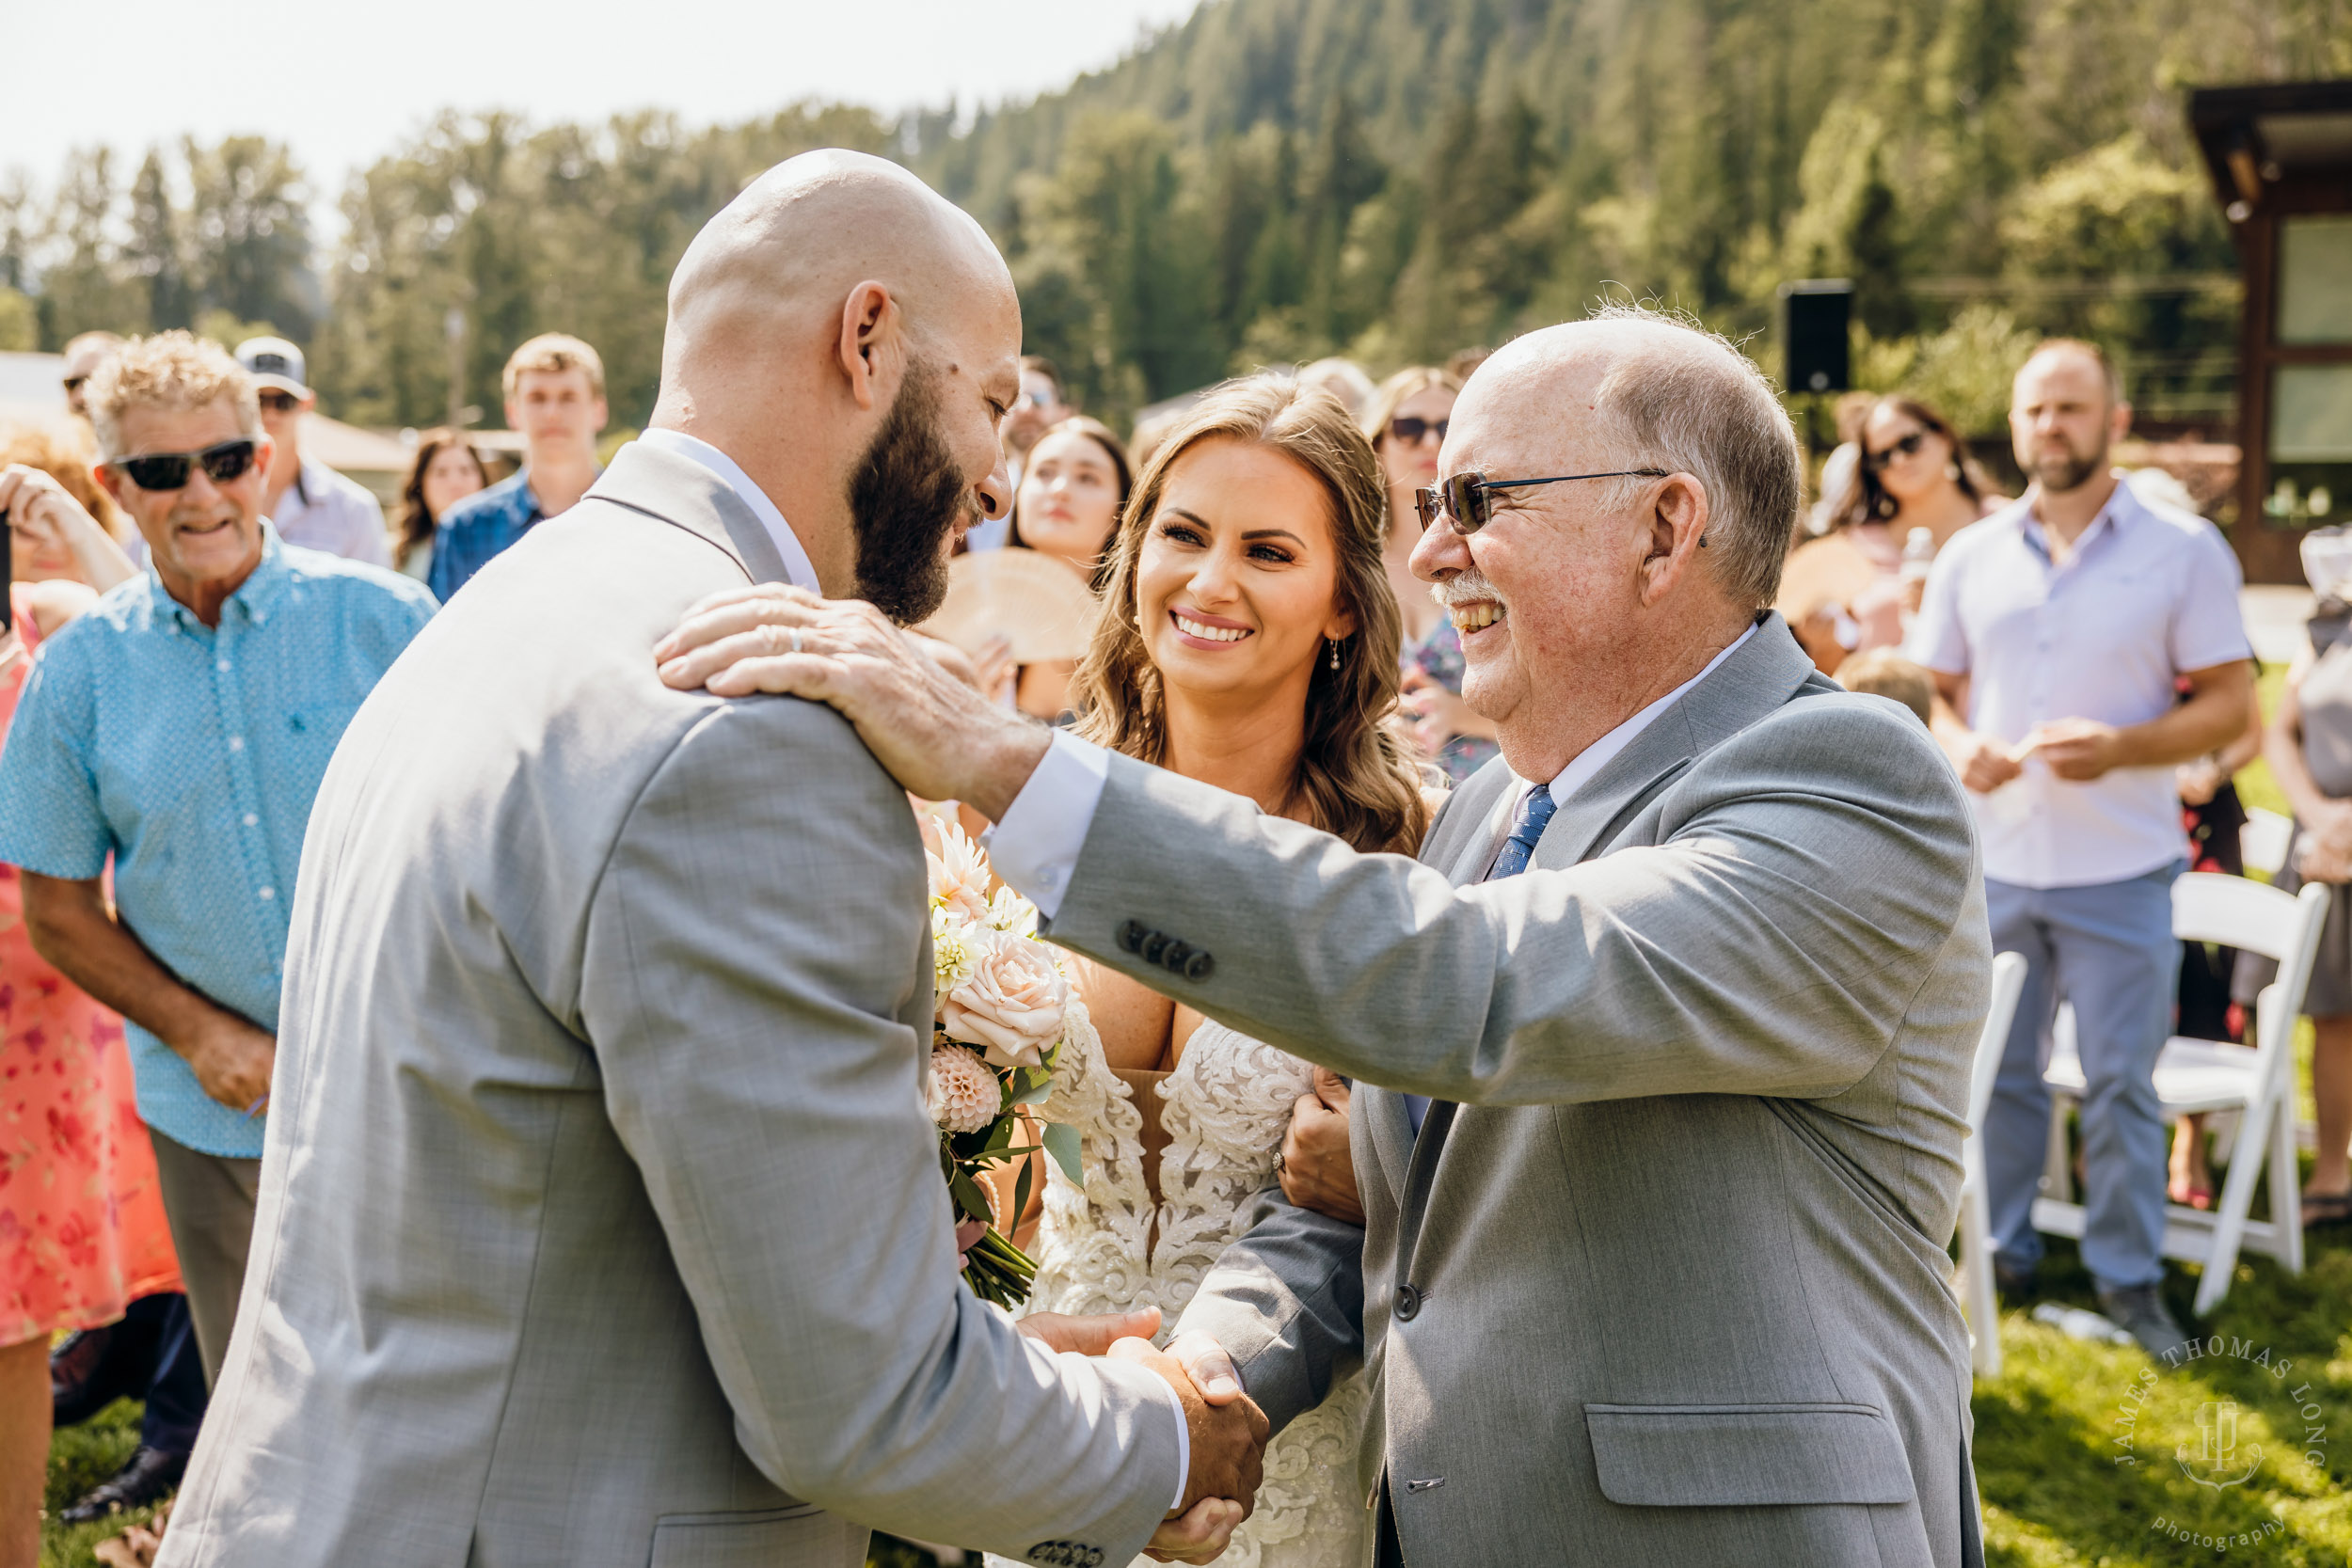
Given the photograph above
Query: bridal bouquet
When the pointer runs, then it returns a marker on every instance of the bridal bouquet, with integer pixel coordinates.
(1005, 1008)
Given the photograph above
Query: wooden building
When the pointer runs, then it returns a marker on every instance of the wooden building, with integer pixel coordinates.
(2280, 157)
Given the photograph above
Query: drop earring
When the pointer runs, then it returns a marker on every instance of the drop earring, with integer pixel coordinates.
(1335, 651)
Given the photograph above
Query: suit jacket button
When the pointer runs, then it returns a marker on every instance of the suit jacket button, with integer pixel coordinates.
(1173, 960)
(1408, 1303)
(1131, 937)
(1153, 946)
(1198, 966)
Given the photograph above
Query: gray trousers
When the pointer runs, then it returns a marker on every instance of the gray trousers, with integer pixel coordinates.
(209, 1200)
(2110, 950)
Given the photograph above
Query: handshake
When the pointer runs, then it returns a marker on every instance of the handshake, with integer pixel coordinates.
(1228, 1431)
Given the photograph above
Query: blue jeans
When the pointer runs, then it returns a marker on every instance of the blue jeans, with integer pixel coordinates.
(2109, 949)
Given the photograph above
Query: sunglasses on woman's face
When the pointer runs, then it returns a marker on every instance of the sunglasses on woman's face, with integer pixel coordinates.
(168, 470)
(1408, 429)
(281, 402)
(1468, 497)
(1903, 448)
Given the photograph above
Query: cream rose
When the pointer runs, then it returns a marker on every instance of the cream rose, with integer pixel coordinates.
(1012, 1005)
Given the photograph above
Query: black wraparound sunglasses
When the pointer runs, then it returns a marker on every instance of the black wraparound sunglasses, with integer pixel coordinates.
(1465, 496)
(1874, 461)
(168, 470)
(1413, 431)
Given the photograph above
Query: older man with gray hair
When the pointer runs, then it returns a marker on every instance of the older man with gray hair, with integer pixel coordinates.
(1671, 1024)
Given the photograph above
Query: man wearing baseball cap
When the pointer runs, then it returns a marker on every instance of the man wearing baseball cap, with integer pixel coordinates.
(310, 503)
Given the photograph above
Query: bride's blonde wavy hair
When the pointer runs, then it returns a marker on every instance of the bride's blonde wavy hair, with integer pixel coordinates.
(1356, 777)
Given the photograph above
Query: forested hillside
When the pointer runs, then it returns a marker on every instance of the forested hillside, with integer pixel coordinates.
(1278, 179)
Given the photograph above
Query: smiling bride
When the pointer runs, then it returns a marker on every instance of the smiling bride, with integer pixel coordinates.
(1249, 639)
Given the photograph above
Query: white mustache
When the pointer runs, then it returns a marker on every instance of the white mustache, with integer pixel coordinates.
(1468, 586)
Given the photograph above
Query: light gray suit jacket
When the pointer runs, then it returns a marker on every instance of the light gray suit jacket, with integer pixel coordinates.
(1667, 1286)
(600, 1220)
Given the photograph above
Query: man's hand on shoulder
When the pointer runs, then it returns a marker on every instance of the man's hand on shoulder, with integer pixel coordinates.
(942, 740)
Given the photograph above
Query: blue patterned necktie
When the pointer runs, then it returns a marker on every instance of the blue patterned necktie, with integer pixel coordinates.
(1527, 830)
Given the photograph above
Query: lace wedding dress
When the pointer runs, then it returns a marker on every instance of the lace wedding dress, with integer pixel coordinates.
(1107, 1248)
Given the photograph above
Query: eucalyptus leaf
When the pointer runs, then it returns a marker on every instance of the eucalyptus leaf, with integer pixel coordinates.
(1061, 1142)
(969, 1197)
(1021, 1193)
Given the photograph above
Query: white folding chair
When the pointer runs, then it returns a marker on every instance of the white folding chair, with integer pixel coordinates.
(2194, 1075)
(1976, 1231)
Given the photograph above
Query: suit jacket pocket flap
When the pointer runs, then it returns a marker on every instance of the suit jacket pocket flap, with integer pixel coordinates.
(761, 1538)
(1742, 1455)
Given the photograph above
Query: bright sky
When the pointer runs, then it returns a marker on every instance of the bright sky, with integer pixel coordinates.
(342, 82)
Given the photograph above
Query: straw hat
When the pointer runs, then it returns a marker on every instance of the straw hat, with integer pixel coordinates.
(1031, 597)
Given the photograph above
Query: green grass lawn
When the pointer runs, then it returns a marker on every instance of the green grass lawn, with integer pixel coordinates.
(2058, 1488)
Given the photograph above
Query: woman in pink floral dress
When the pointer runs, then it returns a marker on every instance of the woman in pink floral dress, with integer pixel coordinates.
(82, 1230)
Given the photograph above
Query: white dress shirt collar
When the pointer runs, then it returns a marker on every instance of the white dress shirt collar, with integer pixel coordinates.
(797, 568)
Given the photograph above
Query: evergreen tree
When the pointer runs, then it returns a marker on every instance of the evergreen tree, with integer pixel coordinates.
(153, 253)
(248, 234)
(82, 288)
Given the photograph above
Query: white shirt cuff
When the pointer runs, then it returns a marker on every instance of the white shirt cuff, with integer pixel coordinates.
(1035, 848)
(1183, 1446)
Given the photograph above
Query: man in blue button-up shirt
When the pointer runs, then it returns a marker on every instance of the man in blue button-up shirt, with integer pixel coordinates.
(555, 396)
(181, 727)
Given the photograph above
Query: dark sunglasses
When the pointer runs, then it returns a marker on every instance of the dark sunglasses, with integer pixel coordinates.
(1408, 429)
(168, 470)
(1904, 448)
(281, 402)
(1464, 497)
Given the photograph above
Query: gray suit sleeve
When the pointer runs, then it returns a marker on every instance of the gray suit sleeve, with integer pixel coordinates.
(1806, 872)
(1287, 1303)
(753, 999)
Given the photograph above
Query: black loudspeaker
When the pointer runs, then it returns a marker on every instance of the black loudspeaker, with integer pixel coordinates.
(1813, 331)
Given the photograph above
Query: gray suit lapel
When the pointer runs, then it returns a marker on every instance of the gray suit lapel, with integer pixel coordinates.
(684, 494)
(1743, 689)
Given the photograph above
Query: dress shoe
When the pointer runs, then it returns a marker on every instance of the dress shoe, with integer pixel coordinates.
(83, 1378)
(2139, 1311)
(150, 1476)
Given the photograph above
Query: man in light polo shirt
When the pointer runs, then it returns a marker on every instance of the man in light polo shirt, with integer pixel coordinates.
(2060, 631)
(308, 503)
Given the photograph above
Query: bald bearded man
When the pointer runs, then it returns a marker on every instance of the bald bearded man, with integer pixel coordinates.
(601, 1219)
